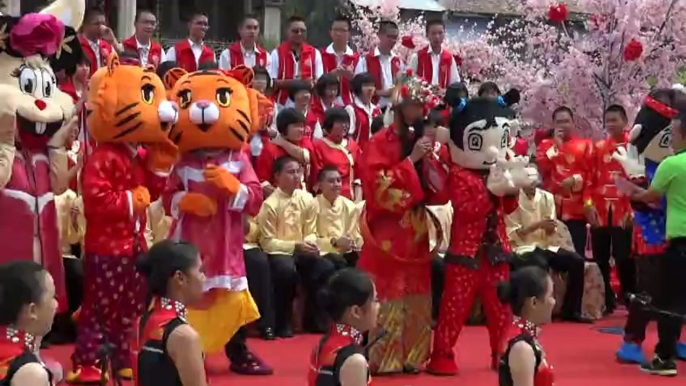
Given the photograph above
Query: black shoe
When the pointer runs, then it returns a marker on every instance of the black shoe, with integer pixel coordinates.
(285, 332)
(268, 334)
(665, 368)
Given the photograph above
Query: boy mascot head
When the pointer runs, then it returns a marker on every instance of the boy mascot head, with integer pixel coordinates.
(480, 130)
(217, 109)
(31, 101)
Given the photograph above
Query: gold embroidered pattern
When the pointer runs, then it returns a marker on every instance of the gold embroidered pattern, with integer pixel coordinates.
(393, 199)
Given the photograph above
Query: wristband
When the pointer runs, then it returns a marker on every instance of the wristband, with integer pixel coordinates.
(588, 203)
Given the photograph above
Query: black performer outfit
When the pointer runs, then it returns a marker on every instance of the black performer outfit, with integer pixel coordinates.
(339, 344)
(523, 330)
(154, 367)
(17, 349)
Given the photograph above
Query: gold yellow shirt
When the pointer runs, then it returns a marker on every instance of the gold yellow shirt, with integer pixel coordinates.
(252, 238)
(324, 221)
(531, 210)
(71, 224)
(281, 221)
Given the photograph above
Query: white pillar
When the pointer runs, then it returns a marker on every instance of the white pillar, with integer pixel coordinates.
(12, 7)
(126, 14)
(272, 23)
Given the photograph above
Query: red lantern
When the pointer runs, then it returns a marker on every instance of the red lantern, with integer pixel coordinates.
(558, 13)
(407, 42)
(633, 50)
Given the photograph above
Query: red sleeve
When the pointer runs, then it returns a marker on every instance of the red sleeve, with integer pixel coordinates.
(389, 185)
(265, 163)
(252, 184)
(99, 195)
(469, 195)
(436, 176)
(316, 161)
(592, 165)
(173, 187)
(154, 181)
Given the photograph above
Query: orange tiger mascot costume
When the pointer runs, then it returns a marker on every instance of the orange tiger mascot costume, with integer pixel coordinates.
(213, 186)
(130, 118)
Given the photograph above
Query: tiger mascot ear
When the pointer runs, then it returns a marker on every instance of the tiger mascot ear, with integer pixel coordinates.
(103, 85)
(172, 76)
(243, 74)
(260, 106)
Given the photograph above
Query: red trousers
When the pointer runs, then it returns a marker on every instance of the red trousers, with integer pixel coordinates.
(462, 283)
(114, 298)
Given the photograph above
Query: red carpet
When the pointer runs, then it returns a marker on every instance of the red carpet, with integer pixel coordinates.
(580, 355)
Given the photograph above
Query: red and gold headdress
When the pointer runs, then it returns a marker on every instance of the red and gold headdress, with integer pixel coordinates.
(411, 88)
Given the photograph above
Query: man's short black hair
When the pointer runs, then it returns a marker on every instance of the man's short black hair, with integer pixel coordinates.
(140, 12)
(360, 80)
(385, 26)
(433, 22)
(208, 65)
(326, 169)
(619, 109)
(250, 16)
(287, 117)
(281, 163)
(21, 283)
(563, 109)
(377, 124)
(343, 19)
(325, 81)
(296, 18)
(296, 87)
(333, 116)
(92, 13)
(197, 14)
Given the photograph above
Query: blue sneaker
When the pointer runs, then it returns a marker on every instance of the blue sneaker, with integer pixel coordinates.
(681, 351)
(630, 353)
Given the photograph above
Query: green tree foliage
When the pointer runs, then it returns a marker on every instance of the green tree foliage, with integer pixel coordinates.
(318, 13)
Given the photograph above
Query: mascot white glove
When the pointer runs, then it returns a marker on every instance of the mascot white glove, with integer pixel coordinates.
(631, 163)
(522, 175)
(499, 181)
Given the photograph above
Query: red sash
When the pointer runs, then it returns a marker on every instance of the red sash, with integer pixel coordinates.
(374, 68)
(185, 58)
(154, 54)
(425, 67)
(105, 51)
(237, 56)
(287, 66)
(330, 62)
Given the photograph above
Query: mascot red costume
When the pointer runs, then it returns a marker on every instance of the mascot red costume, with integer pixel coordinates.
(483, 185)
(130, 118)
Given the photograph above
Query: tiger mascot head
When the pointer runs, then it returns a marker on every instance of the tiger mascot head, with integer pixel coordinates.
(217, 109)
(128, 104)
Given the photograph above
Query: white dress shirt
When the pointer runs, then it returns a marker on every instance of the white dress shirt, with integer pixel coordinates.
(453, 76)
(197, 51)
(387, 81)
(249, 58)
(95, 46)
(144, 52)
(339, 60)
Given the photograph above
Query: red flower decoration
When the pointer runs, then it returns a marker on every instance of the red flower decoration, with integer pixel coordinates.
(404, 92)
(408, 42)
(633, 50)
(37, 33)
(558, 13)
(409, 72)
(458, 60)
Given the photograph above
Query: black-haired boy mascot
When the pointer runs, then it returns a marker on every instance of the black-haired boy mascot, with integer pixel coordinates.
(650, 143)
(484, 182)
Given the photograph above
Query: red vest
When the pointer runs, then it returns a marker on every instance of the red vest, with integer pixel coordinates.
(317, 109)
(374, 68)
(237, 56)
(311, 120)
(105, 51)
(154, 55)
(330, 62)
(185, 58)
(363, 124)
(287, 67)
(425, 67)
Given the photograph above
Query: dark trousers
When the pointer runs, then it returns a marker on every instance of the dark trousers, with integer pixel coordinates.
(577, 228)
(672, 298)
(562, 261)
(284, 284)
(345, 260)
(615, 242)
(259, 275)
(314, 272)
(648, 284)
(64, 328)
(437, 284)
